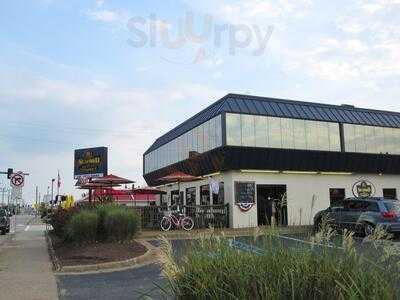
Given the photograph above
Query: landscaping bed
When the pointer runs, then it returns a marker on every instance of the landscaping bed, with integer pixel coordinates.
(95, 253)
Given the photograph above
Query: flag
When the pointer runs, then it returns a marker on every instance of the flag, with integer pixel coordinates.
(58, 180)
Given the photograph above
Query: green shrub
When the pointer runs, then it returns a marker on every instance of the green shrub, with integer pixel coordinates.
(59, 218)
(82, 227)
(215, 270)
(101, 210)
(120, 224)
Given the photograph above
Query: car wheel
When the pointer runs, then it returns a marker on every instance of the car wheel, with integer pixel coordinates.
(3, 232)
(368, 229)
(8, 230)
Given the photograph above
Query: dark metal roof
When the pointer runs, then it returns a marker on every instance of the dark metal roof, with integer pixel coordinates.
(245, 104)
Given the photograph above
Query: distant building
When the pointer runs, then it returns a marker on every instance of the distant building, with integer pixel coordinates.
(278, 158)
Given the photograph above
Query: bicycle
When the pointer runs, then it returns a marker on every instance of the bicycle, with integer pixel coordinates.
(182, 221)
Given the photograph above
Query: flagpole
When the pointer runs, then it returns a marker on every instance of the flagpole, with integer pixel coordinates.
(58, 182)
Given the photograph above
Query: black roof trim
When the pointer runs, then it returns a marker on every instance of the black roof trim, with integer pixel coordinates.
(275, 107)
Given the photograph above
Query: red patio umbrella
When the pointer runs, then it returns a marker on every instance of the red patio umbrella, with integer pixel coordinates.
(111, 179)
(92, 186)
(178, 177)
(148, 191)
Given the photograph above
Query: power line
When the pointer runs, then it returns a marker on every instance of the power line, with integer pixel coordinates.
(82, 130)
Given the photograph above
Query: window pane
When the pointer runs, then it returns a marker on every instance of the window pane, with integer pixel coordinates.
(323, 136)
(359, 139)
(287, 133)
(261, 131)
(334, 137)
(274, 133)
(349, 137)
(380, 139)
(200, 135)
(233, 130)
(212, 133)
(390, 140)
(206, 136)
(311, 135)
(205, 195)
(299, 134)
(218, 131)
(370, 139)
(190, 141)
(248, 134)
(396, 134)
(191, 196)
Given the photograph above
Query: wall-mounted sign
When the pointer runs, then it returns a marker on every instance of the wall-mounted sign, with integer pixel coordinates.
(91, 162)
(245, 195)
(363, 189)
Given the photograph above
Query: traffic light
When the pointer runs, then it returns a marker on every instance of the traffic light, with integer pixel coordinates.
(9, 172)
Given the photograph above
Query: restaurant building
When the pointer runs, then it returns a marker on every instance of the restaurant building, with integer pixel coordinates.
(277, 160)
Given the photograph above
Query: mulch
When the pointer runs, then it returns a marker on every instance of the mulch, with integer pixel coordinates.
(95, 253)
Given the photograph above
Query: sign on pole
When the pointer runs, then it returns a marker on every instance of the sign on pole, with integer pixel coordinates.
(17, 179)
(90, 162)
(16, 195)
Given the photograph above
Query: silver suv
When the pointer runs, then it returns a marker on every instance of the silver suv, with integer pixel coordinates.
(363, 215)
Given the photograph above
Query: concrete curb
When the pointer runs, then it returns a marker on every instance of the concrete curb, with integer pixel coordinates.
(53, 257)
(227, 232)
(150, 256)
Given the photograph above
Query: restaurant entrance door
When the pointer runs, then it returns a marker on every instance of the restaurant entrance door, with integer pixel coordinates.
(271, 205)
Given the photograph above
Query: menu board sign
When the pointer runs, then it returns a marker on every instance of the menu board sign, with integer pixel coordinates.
(245, 192)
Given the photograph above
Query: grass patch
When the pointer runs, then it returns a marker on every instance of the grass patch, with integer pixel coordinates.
(214, 270)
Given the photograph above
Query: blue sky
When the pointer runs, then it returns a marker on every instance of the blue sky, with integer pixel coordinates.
(70, 76)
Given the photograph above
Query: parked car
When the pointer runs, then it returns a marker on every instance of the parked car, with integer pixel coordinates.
(362, 215)
(4, 221)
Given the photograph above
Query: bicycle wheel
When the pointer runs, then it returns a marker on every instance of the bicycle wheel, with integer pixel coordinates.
(165, 224)
(187, 223)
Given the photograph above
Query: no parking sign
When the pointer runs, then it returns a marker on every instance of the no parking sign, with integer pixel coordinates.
(17, 179)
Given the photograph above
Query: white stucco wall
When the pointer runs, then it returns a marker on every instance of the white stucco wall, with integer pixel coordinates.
(301, 188)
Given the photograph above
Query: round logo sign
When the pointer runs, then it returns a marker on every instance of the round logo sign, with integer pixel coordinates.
(363, 189)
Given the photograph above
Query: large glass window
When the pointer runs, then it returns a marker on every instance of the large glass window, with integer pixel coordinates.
(311, 135)
(369, 139)
(274, 133)
(261, 131)
(205, 195)
(233, 130)
(323, 136)
(219, 198)
(205, 137)
(299, 134)
(287, 133)
(191, 196)
(248, 134)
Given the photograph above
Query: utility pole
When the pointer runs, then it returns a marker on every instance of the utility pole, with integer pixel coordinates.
(3, 191)
(52, 191)
(36, 199)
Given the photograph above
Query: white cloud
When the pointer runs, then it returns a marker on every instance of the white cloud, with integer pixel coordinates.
(106, 16)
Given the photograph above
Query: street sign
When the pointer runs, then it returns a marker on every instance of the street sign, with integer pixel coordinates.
(16, 195)
(17, 179)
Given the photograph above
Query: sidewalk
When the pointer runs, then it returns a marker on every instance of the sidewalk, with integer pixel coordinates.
(25, 267)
